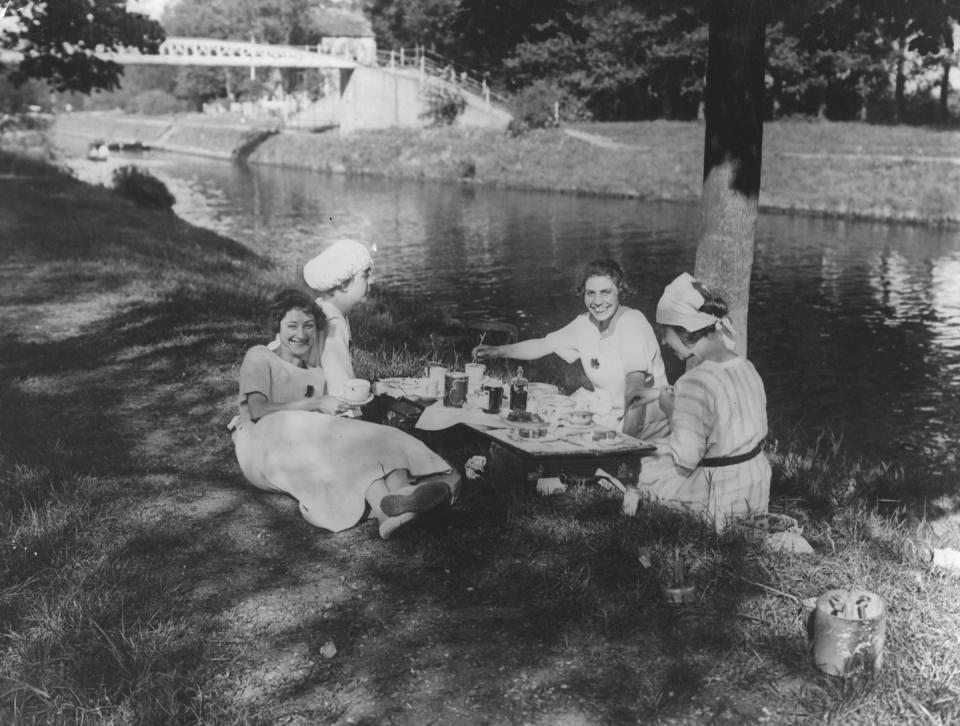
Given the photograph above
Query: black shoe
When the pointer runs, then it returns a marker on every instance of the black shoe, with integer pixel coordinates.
(419, 498)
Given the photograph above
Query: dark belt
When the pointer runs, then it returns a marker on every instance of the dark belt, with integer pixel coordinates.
(731, 460)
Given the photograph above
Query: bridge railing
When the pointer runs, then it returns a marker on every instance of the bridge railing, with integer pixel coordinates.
(428, 63)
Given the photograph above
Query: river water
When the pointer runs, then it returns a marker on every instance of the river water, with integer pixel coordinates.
(854, 326)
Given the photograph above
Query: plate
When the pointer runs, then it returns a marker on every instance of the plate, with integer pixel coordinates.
(402, 382)
(505, 412)
(357, 403)
(602, 443)
(410, 386)
(542, 389)
(575, 427)
(514, 435)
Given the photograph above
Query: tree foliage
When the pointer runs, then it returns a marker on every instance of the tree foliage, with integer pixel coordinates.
(613, 59)
(410, 23)
(284, 22)
(58, 39)
(635, 59)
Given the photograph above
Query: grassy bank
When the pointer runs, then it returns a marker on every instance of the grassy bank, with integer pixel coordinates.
(143, 582)
(845, 170)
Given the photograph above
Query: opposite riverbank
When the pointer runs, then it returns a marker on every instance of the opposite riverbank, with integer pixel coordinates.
(142, 581)
(844, 170)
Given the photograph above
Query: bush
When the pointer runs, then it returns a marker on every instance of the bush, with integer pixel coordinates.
(442, 105)
(142, 188)
(466, 169)
(535, 108)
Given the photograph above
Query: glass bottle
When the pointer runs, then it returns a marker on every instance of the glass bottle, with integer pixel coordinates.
(518, 392)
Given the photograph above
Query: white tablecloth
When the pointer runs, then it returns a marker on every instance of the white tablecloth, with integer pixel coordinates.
(437, 416)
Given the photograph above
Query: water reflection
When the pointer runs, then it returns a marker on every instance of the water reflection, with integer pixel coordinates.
(855, 326)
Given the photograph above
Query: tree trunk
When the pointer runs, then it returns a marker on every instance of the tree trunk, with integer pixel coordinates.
(732, 153)
(900, 82)
(945, 92)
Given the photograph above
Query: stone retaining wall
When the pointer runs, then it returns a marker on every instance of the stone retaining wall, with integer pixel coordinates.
(222, 141)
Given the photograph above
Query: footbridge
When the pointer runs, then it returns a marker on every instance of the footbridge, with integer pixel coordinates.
(211, 52)
(175, 51)
(367, 88)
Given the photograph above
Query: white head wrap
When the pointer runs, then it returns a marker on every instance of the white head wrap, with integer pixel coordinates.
(336, 264)
(680, 305)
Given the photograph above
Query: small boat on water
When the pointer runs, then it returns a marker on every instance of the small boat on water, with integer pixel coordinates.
(98, 151)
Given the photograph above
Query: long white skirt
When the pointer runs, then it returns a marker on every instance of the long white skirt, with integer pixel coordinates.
(327, 463)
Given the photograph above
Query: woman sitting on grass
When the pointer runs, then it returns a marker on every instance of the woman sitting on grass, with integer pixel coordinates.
(616, 346)
(289, 438)
(713, 462)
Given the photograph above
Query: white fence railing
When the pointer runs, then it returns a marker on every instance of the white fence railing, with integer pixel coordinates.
(428, 63)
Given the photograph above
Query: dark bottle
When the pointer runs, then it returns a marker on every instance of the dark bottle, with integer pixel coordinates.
(518, 392)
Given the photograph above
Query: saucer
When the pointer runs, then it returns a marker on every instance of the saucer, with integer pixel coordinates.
(564, 424)
(357, 403)
(587, 438)
(514, 435)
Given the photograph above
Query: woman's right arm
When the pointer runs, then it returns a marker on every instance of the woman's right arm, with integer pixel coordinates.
(524, 350)
(255, 386)
(260, 406)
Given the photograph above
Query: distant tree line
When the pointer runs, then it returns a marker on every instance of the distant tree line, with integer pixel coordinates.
(874, 60)
(878, 60)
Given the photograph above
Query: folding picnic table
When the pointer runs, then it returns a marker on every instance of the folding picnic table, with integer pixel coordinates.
(520, 463)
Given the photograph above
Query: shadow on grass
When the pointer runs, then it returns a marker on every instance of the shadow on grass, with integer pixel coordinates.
(146, 578)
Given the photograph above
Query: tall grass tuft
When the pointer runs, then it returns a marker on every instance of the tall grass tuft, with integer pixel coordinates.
(142, 188)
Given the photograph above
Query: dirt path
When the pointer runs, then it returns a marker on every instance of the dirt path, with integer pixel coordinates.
(605, 142)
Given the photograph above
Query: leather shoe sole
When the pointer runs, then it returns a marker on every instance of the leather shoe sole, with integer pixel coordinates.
(421, 498)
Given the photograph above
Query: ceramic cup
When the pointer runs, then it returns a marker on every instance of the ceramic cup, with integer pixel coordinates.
(474, 373)
(436, 373)
(356, 390)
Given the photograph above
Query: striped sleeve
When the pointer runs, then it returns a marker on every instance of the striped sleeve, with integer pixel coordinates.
(741, 410)
(693, 418)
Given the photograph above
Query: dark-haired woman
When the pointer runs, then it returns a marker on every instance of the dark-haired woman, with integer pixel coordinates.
(288, 439)
(713, 462)
(615, 344)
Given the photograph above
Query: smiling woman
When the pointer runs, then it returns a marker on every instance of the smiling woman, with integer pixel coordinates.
(614, 343)
(289, 439)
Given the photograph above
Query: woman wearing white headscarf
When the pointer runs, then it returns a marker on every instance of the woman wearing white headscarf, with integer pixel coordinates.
(712, 463)
(341, 276)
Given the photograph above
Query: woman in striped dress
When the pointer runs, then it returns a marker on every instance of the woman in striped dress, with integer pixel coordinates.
(712, 463)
